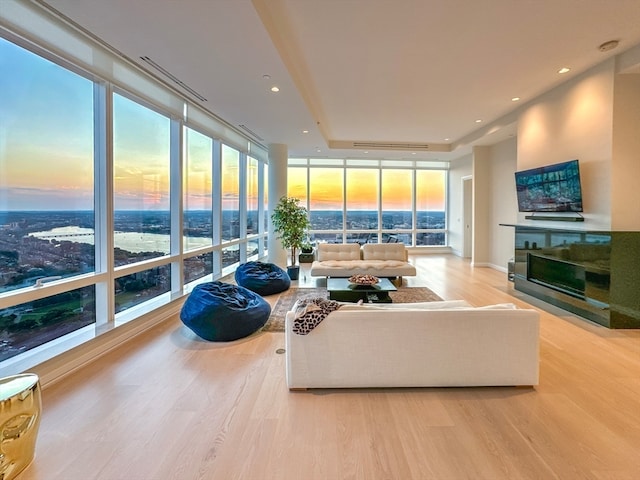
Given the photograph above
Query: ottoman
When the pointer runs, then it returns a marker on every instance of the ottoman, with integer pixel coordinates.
(221, 312)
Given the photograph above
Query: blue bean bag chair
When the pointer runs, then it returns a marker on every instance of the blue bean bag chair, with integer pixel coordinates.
(262, 278)
(221, 312)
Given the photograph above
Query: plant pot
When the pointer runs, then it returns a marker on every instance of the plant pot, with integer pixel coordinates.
(293, 272)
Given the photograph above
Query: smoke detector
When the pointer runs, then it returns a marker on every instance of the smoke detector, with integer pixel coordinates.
(610, 45)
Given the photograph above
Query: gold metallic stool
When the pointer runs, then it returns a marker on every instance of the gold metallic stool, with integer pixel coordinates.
(20, 406)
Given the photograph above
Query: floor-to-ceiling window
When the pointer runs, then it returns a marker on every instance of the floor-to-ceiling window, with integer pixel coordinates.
(141, 214)
(372, 201)
(115, 198)
(397, 205)
(326, 201)
(430, 207)
(197, 204)
(362, 204)
(230, 205)
(46, 200)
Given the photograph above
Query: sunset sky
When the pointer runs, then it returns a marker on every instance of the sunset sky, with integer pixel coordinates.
(326, 188)
(46, 153)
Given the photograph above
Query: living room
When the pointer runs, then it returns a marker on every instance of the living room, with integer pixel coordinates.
(166, 405)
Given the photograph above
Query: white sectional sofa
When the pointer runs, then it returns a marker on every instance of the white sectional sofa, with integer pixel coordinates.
(434, 344)
(346, 259)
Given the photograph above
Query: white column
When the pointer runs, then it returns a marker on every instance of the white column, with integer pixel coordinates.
(278, 159)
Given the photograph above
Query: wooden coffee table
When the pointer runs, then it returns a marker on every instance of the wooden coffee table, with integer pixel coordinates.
(341, 290)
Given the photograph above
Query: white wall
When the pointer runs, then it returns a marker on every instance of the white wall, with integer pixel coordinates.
(595, 118)
(482, 187)
(459, 168)
(503, 203)
(625, 167)
(492, 169)
(573, 121)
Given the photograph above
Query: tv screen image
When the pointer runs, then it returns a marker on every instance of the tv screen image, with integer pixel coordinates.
(551, 188)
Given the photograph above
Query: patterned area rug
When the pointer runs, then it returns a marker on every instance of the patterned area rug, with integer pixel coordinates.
(288, 298)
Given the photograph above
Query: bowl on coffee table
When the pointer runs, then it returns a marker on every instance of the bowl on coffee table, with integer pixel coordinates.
(363, 280)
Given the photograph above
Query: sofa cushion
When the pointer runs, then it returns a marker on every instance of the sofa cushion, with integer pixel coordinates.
(362, 264)
(338, 251)
(384, 251)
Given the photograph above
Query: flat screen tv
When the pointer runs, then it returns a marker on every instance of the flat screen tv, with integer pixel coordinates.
(552, 188)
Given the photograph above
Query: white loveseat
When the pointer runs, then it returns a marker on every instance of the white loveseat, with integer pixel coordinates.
(346, 259)
(434, 344)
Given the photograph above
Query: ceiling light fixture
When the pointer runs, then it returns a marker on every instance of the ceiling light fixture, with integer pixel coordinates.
(610, 45)
(275, 89)
(266, 76)
(478, 121)
(515, 99)
(564, 70)
(305, 131)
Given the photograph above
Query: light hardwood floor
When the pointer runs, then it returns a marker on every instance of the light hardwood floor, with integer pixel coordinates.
(169, 406)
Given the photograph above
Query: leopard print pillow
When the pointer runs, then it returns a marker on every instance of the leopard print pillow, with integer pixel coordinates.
(309, 312)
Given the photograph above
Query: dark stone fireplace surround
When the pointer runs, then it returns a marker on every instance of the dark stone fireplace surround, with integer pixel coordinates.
(594, 274)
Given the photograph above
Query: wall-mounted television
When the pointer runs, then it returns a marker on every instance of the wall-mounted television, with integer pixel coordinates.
(551, 188)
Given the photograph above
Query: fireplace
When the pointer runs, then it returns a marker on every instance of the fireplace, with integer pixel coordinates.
(563, 276)
(594, 274)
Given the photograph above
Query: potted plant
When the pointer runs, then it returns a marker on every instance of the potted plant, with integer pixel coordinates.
(290, 223)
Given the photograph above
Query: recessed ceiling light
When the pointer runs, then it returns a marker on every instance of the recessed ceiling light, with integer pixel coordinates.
(366, 151)
(515, 99)
(564, 70)
(478, 121)
(305, 131)
(275, 89)
(413, 153)
(610, 45)
(318, 150)
(266, 76)
(447, 139)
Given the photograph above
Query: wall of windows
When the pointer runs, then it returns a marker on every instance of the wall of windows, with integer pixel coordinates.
(110, 200)
(372, 201)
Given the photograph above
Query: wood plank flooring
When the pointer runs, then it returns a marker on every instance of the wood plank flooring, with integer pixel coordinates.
(169, 406)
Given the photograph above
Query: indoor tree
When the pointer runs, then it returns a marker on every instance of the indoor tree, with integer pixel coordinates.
(290, 223)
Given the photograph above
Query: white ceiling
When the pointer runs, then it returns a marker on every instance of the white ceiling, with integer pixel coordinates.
(399, 71)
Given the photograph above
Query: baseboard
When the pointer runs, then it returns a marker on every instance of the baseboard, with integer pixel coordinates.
(500, 268)
(481, 264)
